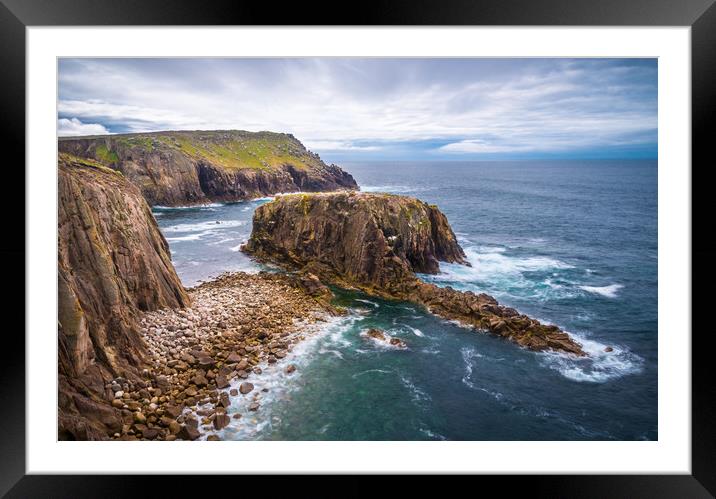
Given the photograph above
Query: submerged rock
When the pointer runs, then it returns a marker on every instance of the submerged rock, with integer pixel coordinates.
(377, 243)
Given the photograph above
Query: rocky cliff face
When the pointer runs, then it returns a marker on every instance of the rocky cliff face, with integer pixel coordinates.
(183, 168)
(112, 263)
(375, 240)
(376, 243)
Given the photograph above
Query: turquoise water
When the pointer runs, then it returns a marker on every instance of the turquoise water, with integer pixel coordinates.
(570, 243)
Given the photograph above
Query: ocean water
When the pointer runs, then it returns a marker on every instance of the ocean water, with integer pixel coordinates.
(573, 243)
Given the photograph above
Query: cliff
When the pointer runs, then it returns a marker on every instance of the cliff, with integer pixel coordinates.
(194, 167)
(376, 243)
(112, 263)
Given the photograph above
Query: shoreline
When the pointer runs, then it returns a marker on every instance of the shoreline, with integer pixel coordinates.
(203, 358)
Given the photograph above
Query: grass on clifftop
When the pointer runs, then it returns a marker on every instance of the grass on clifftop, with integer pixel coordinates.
(232, 150)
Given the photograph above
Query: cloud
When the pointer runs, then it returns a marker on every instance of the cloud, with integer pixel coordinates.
(373, 106)
(73, 126)
(332, 145)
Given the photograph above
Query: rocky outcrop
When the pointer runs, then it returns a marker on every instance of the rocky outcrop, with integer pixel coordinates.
(373, 240)
(112, 263)
(194, 167)
(377, 243)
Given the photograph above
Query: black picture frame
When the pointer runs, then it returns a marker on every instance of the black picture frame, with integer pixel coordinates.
(700, 15)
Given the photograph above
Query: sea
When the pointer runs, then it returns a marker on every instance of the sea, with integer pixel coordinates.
(571, 243)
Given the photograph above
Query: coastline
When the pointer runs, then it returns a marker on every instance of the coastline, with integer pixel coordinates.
(204, 358)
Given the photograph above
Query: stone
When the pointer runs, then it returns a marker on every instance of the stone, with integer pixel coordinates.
(221, 382)
(213, 438)
(290, 369)
(139, 418)
(233, 392)
(254, 406)
(609, 349)
(221, 421)
(246, 387)
(188, 433)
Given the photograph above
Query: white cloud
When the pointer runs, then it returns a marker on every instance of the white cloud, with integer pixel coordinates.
(73, 126)
(332, 145)
(350, 105)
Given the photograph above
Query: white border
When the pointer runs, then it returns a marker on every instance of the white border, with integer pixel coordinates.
(670, 454)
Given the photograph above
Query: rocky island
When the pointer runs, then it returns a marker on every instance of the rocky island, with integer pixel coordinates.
(196, 167)
(376, 243)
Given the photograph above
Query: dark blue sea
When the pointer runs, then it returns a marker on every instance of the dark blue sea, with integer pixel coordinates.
(573, 243)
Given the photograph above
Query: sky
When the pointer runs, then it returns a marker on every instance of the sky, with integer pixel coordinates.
(378, 108)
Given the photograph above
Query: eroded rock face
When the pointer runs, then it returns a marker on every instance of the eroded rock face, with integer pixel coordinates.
(112, 263)
(376, 243)
(372, 240)
(183, 168)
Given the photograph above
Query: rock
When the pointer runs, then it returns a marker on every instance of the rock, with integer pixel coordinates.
(188, 433)
(199, 380)
(243, 365)
(150, 433)
(609, 349)
(140, 418)
(398, 342)
(224, 400)
(290, 369)
(221, 421)
(377, 243)
(118, 403)
(221, 382)
(376, 334)
(254, 406)
(190, 167)
(233, 392)
(233, 358)
(246, 387)
(112, 264)
(213, 438)
(173, 411)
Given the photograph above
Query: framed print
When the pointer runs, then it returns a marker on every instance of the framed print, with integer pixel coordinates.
(454, 239)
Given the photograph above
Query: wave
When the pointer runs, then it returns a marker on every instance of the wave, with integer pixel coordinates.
(609, 291)
(204, 226)
(371, 303)
(416, 393)
(391, 188)
(599, 366)
(188, 207)
(280, 385)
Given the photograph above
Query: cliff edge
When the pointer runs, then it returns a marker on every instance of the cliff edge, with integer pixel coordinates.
(112, 263)
(376, 243)
(195, 167)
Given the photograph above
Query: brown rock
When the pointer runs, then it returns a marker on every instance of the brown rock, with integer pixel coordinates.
(246, 387)
(221, 421)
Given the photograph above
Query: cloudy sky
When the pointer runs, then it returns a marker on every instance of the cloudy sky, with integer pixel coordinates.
(348, 108)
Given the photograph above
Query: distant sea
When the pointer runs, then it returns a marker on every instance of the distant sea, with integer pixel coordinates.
(573, 243)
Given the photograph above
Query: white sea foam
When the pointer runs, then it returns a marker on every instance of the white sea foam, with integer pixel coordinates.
(598, 366)
(432, 434)
(390, 188)
(607, 291)
(237, 247)
(204, 226)
(280, 385)
(371, 303)
(416, 393)
(189, 207)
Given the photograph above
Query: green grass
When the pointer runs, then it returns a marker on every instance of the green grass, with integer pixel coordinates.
(105, 155)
